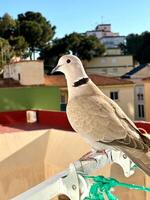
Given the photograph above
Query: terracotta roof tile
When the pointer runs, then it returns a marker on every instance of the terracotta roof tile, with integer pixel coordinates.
(9, 82)
(146, 79)
(60, 81)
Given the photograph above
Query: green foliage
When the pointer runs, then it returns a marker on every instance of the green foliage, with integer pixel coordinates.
(5, 52)
(7, 26)
(138, 46)
(27, 34)
(13, 45)
(36, 30)
(86, 47)
(19, 45)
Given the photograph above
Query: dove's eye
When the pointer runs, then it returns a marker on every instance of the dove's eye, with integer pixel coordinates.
(68, 61)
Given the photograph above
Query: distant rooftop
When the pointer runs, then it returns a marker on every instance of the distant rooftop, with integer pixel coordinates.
(9, 82)
(60, 81)
(146, 79)
(104, 25)
(134, 70)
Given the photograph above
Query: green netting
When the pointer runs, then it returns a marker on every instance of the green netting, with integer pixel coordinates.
(102, 187)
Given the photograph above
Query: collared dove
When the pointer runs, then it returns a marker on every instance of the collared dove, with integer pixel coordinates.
(98, 119)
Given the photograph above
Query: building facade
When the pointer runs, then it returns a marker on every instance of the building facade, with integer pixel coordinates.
(137, 74)
(106, 36)
(26, 72)
(147, 98)
(121, 91)
(112, 65)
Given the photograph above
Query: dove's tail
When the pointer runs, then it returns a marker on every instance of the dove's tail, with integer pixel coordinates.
(141, 159)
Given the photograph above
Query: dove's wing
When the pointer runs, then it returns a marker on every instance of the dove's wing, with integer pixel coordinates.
(97, 118)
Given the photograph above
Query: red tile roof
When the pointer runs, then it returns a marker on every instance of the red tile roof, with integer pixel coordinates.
(9, 82)
(146, 79)
(60, 81)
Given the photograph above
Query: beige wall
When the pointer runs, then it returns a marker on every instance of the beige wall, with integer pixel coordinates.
(126, 97)
(28, 158)
(147, 99)
(115, 51)
(109, 71)
(110, 61)
(31, 72)
(109, 65)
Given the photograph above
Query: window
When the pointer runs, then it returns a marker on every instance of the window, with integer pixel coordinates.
(141, 110)
(19, 76)
(114, 95)
(62, 98)
(104, 70)
(115, 70)
(140, 97)
(63, 103)
(114, 60)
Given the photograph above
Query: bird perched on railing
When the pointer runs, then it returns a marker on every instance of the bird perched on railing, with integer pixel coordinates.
(99, 119)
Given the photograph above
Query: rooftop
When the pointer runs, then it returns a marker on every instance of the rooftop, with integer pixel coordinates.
(9, 82)
(146, 79)
(134, 70)
(60, 81)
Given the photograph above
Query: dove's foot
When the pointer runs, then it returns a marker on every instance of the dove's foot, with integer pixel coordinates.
(92, 154)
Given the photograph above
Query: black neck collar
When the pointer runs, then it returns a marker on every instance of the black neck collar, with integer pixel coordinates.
(82, 81)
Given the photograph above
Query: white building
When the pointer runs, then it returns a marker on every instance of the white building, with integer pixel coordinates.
(137, 74)
(26, 72)
(110, 65)
(106, 36)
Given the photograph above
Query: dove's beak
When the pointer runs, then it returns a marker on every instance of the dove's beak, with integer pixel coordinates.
(55, 69)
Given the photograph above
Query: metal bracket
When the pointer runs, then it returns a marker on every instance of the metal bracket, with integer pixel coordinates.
(121, 159)
(71, 182)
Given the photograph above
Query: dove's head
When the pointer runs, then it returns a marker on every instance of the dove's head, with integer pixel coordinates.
(71, 67)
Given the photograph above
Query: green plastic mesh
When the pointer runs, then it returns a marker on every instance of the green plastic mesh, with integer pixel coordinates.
(102, 186)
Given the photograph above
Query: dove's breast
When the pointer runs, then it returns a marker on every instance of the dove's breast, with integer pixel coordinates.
(95, 119)
(79, 117)
(85, 122)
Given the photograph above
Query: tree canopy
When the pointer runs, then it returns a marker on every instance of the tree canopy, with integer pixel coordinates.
(86, 47)
(5, 52)
(138, 45)
(26, 34)
(7, 26)
(36, 30)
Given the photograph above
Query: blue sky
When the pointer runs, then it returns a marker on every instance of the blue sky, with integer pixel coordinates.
(126, 16)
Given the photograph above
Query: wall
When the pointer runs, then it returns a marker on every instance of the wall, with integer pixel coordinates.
(51, 119)
(32, 73)
(109, 71)
(12, 71)
(126, 97)
(28, 158)
(26, 72)
(110, 61)
(109, 65)
(139, 101)
(114, 51)
(23, 98)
